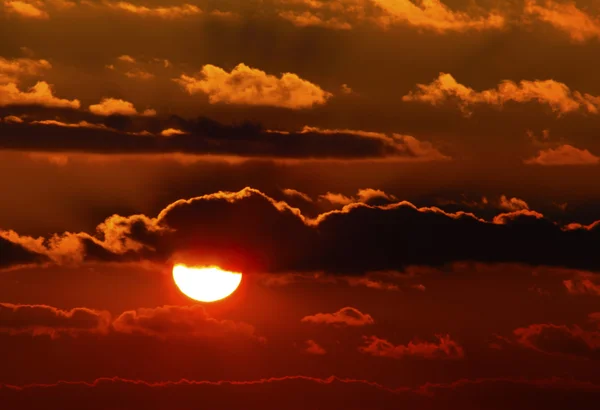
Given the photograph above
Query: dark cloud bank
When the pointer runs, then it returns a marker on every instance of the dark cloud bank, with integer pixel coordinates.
(250, 231)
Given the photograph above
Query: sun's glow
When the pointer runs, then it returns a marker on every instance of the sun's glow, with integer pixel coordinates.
(206, 284)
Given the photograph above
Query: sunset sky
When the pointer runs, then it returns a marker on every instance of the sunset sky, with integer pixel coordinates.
(409, 188)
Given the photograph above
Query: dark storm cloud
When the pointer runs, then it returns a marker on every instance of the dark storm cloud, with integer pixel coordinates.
(294, 392)
(202, 136)
(249, 231)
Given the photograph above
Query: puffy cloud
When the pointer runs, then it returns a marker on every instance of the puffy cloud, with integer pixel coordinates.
(167, 12)
(559, 339)
(295, 193)
(39, 320)
(179, 321)
(114, 106)
(555, 94)
(11, 70)
(25, 9)
(566, 17)
(250, 86)
(347, 316)
(314, 348)
(512, 204)
(446, 348)
(435, 15)
(564, 155)
(39, 94)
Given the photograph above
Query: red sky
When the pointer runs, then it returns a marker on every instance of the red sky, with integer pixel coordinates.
(409, 188)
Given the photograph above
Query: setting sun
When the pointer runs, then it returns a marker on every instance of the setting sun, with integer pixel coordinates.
(206, 284)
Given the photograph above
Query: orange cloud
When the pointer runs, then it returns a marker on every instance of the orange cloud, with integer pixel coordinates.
(126, 58)
(39, 94)
(169, 132)
(249, 86)
(11, 70)
(80, 124)
(25, 9)
(170, 12)
(363, 196)
(139, 74)
(38, 320)
(552, 93)
(112, 106)
(564, 155)
(305, 19)
(435, 15)
(294, 193)
(445, 349)
(512, 204)
(348, 316)
(179, 321)
(13, 119)
(566, 17)
(314, 348)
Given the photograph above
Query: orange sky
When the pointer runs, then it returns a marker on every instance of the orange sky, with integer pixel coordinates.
(408, 186)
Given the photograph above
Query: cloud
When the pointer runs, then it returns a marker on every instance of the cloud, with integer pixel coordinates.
(169, 132)
(12, 70)
(294, 392)
(354, 240)
(80, 124)
(512, 204)
(139, 74)
(306, 19)
(25, 9)
(179, 321)
(249, 86)
(555, 94)
(114, 106)
(446, 348)
(347, 316)
(314, 348)
(168, 12)
(294, 193)
(559, 339)
(365, 196)
(566, 17)
(13, 119)
(126, 59)
(203, 136)
(582, 286)
(564, 155)
(435, 15)
(37, 320)
(40, 94)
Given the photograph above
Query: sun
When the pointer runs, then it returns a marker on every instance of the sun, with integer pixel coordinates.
(207, 283)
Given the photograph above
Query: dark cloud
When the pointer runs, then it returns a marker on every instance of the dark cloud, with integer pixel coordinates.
(14, 254)
(250, 232)
(39, 320)
(560, 339)
(179, 321)
(296, 392)
(445, 348)
(118, 134)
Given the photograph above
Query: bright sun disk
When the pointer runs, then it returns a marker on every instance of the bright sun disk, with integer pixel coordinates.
(206, 284)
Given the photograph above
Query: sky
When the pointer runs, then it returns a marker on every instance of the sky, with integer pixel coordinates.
(408, 187)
